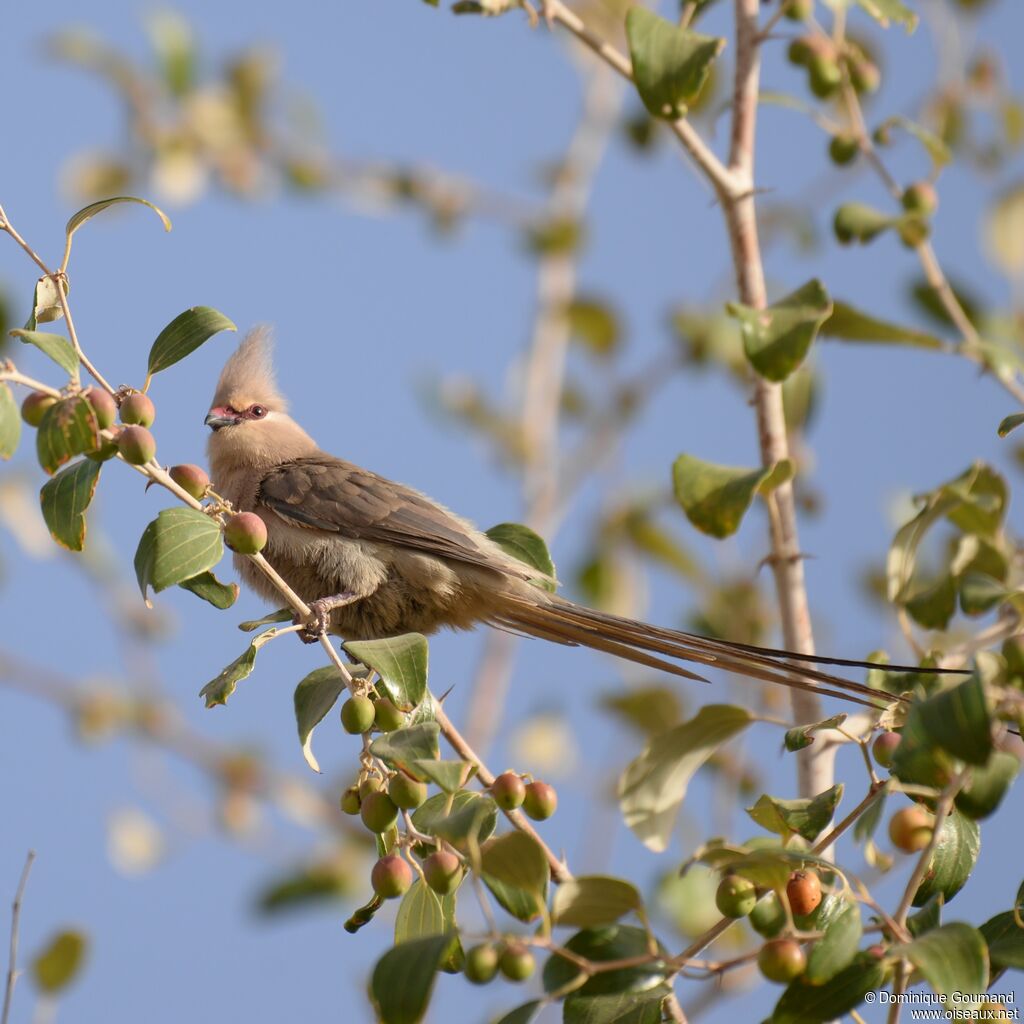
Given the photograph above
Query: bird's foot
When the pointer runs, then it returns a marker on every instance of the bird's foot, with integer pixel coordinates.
(319, 620)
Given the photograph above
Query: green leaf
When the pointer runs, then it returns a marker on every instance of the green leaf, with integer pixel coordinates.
(422, 913)
(64, 500)
(178, 545)
(953, 860)
(10, 423)
(404, 978)
(524, 1014)
(68, 428)
(515, 869)
(592, 900)
(617, 1008)
(839, 919)
(58, 964)
(988, 785)
(601, 945)
(715, 498)
(281, 615)
(218, 689)
(594, 324)
(1005, 939)
(653, 786)
(404, 747)
(90, 211)
(209, 588)
(401, 662)
(651, 709)
(450, 776)
(777, 339)
(953, 958)
(804, 1003)
(849, 324)
(670, 64)
(46, 305)
(958, 720)
(54, 346)
(312, 884)
(183, 335)
(932, 607)
(315, 695)
(1011, 422)
(802, 735)
(526, 546)
(927, 918)
(884, 11)
(471, 816)
(805, 817)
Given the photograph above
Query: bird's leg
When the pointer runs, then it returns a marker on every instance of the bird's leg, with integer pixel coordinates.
(320, 615)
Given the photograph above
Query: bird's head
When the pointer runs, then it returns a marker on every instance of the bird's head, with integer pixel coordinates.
(248, 416)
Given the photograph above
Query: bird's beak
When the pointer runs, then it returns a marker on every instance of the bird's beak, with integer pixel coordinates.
(221, 416)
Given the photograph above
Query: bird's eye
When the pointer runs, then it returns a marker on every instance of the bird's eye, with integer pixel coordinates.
(257, 412)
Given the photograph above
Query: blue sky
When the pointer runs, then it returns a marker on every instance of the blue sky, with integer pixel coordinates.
(365, 308)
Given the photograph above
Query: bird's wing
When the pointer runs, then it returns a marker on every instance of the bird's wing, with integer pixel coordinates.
(325, 493)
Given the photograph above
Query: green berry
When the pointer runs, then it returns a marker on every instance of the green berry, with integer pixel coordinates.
(405, 792)
(357, 715)
(800, 51)
(191, 479)
(884, 747)
(350, 801)
(921, 198)
(443, 872)
(509, 791)
(35, 406)
(245, 533)
(781, 960)
(516, 962)
(387, 716)
(843, 148)
(799, 10)
(824, 76)
(136, 445)
(913, 230)
(481, 964)
(378, 812)
(103, 406)
(391, 876)
(768, 918)
(540, 801)
(138, 410)
(371, 784)
(735, 897)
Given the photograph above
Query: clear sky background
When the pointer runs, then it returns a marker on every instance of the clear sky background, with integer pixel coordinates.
(364, 309)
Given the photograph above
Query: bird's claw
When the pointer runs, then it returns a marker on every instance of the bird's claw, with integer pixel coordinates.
(317, 622)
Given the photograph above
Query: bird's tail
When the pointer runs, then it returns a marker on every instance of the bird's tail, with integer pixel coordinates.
(553, 618)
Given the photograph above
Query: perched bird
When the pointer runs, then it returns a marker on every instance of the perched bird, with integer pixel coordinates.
(374, 558)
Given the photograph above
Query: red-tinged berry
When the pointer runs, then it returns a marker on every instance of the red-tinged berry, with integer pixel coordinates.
(136, 445)
(443, 872)
(34, 408)
(910, 829)
(509, 791)
(103, 406)
(391, 876)
(138, 410)
(803, 892)
(245, 533)
(191, 479)
(884, 748)
(781, 960)
(540, 801)
(516, 962)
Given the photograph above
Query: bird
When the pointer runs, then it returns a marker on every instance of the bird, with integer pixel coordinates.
(374, 559)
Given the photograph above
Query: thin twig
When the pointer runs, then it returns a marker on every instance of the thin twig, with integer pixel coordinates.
(12, 964)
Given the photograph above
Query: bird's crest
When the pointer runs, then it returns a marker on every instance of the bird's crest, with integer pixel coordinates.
(248, 376)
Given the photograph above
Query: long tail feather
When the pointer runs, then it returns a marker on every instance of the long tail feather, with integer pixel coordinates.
(563, 621)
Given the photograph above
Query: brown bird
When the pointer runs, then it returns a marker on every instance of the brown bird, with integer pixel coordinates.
(373, 558)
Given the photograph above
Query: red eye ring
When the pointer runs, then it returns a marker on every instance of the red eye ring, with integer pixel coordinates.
(257, 412)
